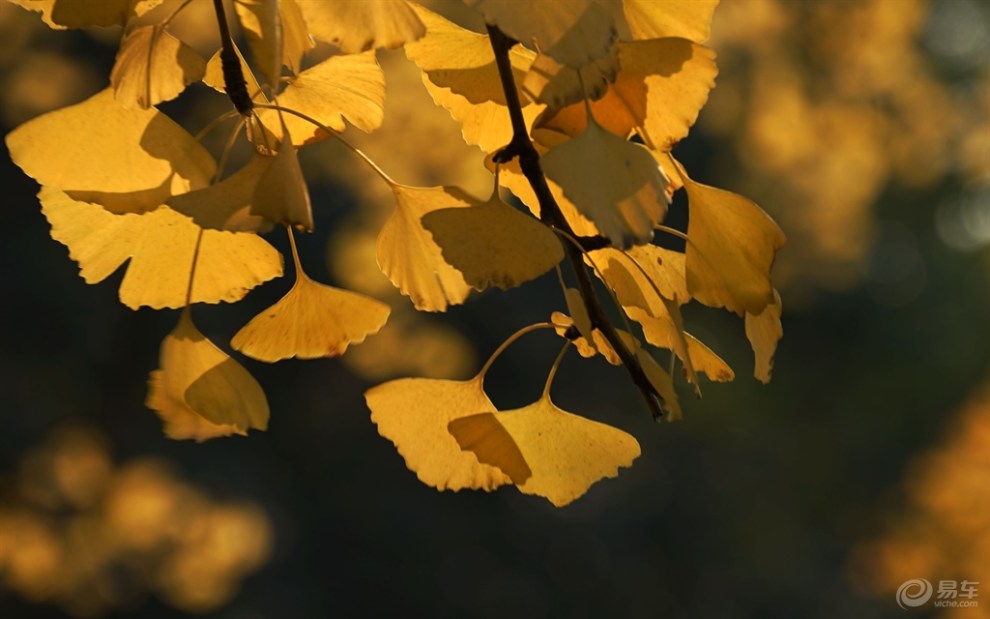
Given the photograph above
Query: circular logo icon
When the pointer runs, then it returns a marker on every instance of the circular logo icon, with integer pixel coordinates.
(913, 593)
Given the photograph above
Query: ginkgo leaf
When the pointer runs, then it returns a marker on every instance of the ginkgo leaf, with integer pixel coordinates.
(763, 332)
(312, 320)
(661, 331)
(181, 422)
(227, 205)
(261, 22)
(731, 247)
(579, 313)
(663, 383)
(87, 13)
(613, 182)
(598, 344)
(566, 453)
(660, 88)
(512, 178)
(161, 246)
(655, 19)
(557, 85)
(359, 25)
(414, 413)
(574, 33)
(153, 66)
(280, 195)
(410, 257)
(663, 267)
(197, 378)
(562, 324)
(214, 74)
(493, 244)
(351, 87)
(460, 74)
(129, 161)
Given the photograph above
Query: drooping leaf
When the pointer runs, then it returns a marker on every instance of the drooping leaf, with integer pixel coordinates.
(763, 332)
(655, 19)
(731, 247)
(358, 25)
(573, 33)
(312, 320)
(663, 333)
(196, 378)
(558, 85)
(262, 24)
(663, 267)
(566, 453)
(153, 66)
(161, 245)
(493, 244)
(660, 88)
(414, 413)
(613, 182)
(410, 257)
(129, 161)
(228, 205)
(60, 14)
(663, 383)
(460, 74)
(348, 87)
(281, 195)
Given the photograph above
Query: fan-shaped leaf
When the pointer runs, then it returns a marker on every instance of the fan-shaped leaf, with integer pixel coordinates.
(359, 25)
(153, 66)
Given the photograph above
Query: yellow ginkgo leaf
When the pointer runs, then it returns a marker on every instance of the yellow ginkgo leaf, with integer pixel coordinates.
(663, 267)
(200, 379)
(460, 74)
(660, 88)
(763, 332)
(655, 19)
(493, 244)
(663, 333)
(129, 161)
(87, 13)
(311, 321)
(410, 257)
(414, 413)
(213, 77)
(359, 25)
(277, 34)
(153, 66)
(227, 205)
(512, 178)
(663, 383)
(731, 247)
(566, 327)
(557, 85)
(161, 246)
(351, 87)
(280, 195)
(613, 182)
(181, 422)
(573, 33)
(565, 453)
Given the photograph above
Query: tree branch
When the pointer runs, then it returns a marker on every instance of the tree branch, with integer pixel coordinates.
(529, 161)
(233, 77)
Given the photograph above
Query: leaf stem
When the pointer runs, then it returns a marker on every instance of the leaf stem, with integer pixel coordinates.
(508, 342)
(553, 370)
(529, 162)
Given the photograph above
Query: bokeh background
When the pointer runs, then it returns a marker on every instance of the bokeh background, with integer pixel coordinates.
(862, 127)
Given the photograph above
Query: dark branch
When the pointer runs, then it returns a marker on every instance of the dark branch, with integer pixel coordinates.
(233, 77)
(529, 161)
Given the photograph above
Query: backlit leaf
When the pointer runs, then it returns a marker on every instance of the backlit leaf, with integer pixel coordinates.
(493, 244)
(763, 332)
(197, 378)
(311, 321)
(153, 66)
(663, 383)
(663, 333)
(227, 205)
(566, 453)
(86, 13)
(214, 74)
(512, 178)
(281, 195)
(161, 245)
(414, 413)
(261, 22)
(557, 85)
(654, 19)
(359, 25)
(410, 257)
(129, 161)
(574, 32)
(613, 182)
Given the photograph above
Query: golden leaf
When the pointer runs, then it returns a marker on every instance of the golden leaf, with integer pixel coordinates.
(410, 257)
(153, 66)
(460, 74)
(228, 205)
(214, 75)
(565, 453)
(573, 33)
(198, 379)
(493, 244)
(129, 161)
(512, 178)
(280, 195)
(277, 34)
(359, 25)
(663, 332)
(663, 267)
(557, 85)
(763, 332)
(613, 182)
(731, 247)
(351, 87)
(60, 14)
(663, 383)
(660, 88)
(161, 246)
(655, 19)
(414, 413)
(311, 321)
